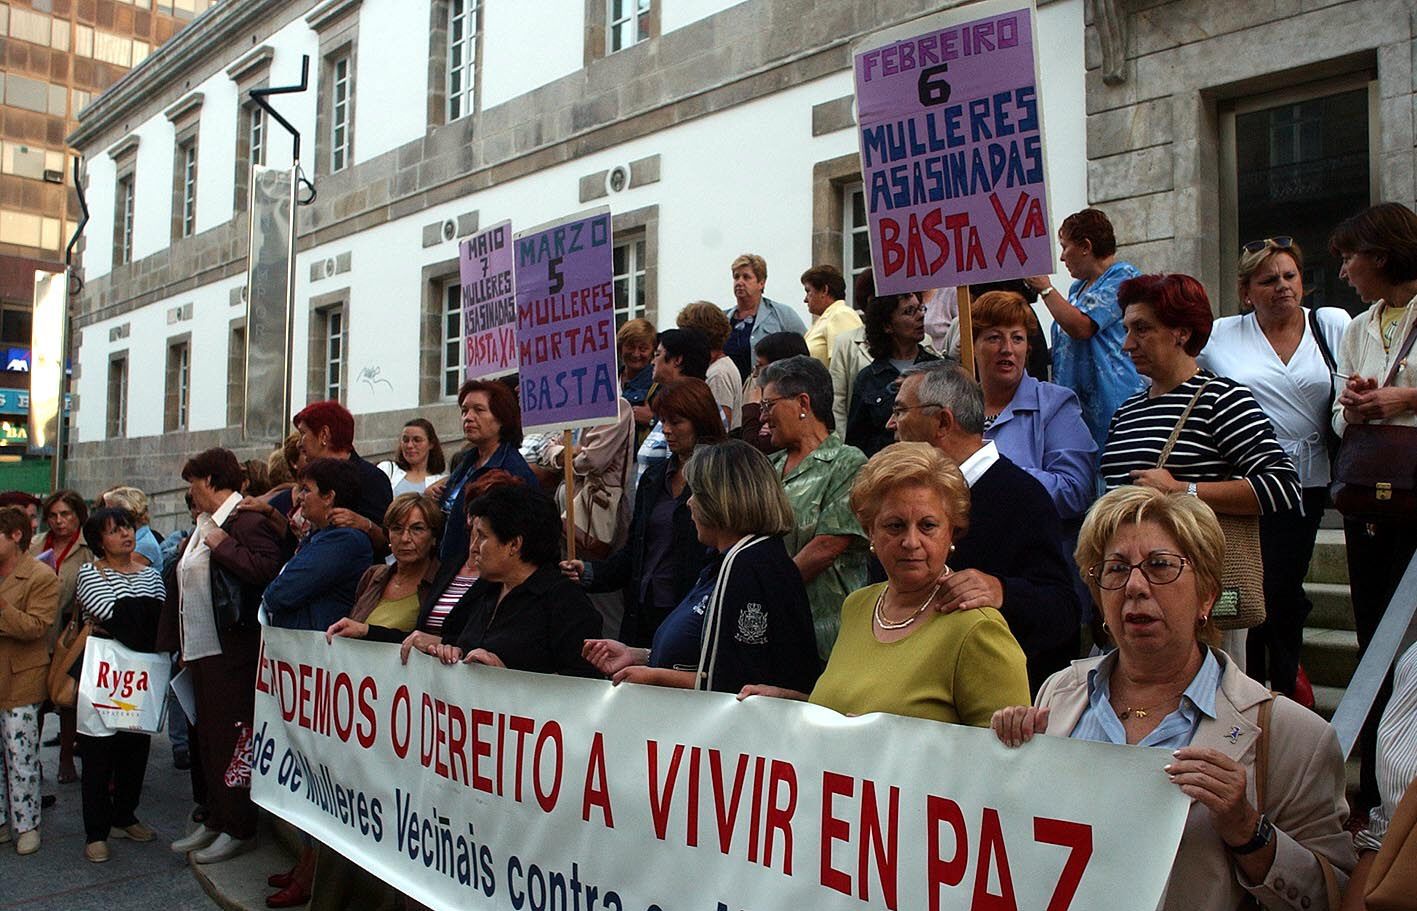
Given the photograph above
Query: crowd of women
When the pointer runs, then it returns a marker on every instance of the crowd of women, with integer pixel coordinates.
(792, 537)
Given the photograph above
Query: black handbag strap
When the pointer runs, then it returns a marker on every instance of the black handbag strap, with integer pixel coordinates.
(1402, 353)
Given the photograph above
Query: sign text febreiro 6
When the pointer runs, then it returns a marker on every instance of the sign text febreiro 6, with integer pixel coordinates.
(952, 156)
(473, 787)
(566, 323)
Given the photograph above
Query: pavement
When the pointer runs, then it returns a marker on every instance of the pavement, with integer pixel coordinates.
(138, 877)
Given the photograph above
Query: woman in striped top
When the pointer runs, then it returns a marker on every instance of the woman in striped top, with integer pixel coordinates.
(114, 763)
(1226, 453)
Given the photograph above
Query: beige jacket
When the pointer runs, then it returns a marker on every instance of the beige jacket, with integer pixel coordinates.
(29, 601)
(1305, 794)
(78, 555)
(1362, 354)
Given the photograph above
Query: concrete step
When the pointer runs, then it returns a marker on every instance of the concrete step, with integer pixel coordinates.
(1326, 700)
(1329, 563)
(239, 884)
(1333, 605)
(1330, 656)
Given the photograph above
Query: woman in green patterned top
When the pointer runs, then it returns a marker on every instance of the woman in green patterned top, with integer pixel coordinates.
(817, 470)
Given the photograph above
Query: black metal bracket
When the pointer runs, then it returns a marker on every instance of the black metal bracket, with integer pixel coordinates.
(259, 96)
(78, 231)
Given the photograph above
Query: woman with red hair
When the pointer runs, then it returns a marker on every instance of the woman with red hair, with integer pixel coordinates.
(1226, 453)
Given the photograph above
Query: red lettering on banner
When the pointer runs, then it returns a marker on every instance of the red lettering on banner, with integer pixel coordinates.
(457, 745)
(262, 686)
(344, 719)
(289, 699)
(833, 829)
(779, 819)
(883, 843)
(304, 696)
(597, 789)
(939, 871)
(726, 813)
(400, 743)
(1076, 836)
(523, 726)
(691, 815)
(991, 851)
(660, 796)
(550, 732)
(480, 749)
(753, 826)
(368, 692)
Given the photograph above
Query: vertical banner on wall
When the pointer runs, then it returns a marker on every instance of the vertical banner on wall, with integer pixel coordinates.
(270, 280)
(566, 323)
(489, 306)
(47, 330)
(951, 132)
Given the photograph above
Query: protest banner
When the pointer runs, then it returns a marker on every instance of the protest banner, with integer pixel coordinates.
(475, 787)
(566, 323)
(489, 308)
(952, 159)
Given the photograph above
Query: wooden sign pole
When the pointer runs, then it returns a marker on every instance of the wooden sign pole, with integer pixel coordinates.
(567, 455)
(966, 329)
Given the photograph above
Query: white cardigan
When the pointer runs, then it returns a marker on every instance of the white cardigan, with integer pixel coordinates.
(397, 474)
(1362, 354)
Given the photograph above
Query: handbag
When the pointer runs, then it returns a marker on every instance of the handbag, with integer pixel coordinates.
(1375, 475)
(1394, 872)
(63, 685)
(243, 757)
(1240, 604)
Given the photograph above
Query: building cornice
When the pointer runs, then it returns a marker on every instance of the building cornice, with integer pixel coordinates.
(189, 105)
(248, 65)
(125, 148)
(330, 13)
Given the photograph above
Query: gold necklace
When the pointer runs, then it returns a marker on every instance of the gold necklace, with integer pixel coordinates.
(1144, 711)
(880, 613)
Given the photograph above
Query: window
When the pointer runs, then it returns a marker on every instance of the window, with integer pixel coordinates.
(462, 58)
(855, 235)
(123, 221)
(117, 423)
(179, 387)
(454, 345)
(256, 134)
(329, 346)
(628, 23)
(15, 325)
(629, 265)
(236, 375)
(340, 119)
(187, 175)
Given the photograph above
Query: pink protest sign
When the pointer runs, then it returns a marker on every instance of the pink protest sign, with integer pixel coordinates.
(952, 149)
(489, 308)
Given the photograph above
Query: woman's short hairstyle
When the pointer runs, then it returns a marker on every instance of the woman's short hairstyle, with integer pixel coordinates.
(14, 519)
(690, 346)
(736, 490)
(131, 499)
(104, 520)
(794, 376)
(1000, 309)
(708, 320)
(752, 261)
(513, 511)
(502, 402)
(278, 467)
(258, 477)
(1092, 226)
(69, 498)
(218, 466)
(1188, 520)
(778, 345)
(20, 498)
(691, 400)
(1388, 230)
(436, 461)
(1250, 263)
(910, 465)
(636, 332)
(336, 475)
(826, 278)
(329, 415)
(1180, 302)
(406, 503)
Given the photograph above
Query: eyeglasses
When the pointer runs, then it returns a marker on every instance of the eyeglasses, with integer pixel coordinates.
(910, 311)
(900, 411)
(416, 529)
(1159, 569)
(768, 404)
(1282, 242)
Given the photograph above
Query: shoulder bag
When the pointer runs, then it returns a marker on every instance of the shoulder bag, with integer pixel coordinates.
(68, 654)
(1241, 601)
(1392, 881)
(1375, 475)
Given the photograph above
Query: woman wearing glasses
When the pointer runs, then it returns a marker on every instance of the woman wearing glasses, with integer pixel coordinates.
(1284, 353)
(390, 595)
(1154, 562)
(895, 332)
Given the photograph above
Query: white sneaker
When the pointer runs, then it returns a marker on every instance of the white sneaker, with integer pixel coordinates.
(5, 834)
(195, 840)
(224, 848)
(27, 843)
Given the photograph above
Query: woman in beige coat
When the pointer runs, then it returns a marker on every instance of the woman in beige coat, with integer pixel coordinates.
(1272, 829)
(63, 550)
(29, 600)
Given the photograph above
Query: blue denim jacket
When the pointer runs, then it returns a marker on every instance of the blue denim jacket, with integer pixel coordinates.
(316, 587)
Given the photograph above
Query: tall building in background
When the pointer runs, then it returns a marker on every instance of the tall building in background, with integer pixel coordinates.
(55, 56)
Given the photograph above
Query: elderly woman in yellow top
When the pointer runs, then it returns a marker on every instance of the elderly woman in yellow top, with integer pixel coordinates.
(1153, 562)
(893, 654)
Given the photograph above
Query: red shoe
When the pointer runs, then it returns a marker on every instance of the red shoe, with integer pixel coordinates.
(291, 896)
(281, 880)
(1303, 689)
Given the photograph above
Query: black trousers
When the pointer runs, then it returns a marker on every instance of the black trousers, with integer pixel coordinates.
(1378, 553)
(1286, 547)
(119, 761)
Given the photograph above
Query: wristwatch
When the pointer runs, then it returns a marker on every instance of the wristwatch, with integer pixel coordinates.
(1046, 291)
(1192, 490)
(1264, 834)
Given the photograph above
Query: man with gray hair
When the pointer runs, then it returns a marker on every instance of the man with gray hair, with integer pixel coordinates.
(1011, 557)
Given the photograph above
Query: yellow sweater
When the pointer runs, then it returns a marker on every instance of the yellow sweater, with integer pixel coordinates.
(956, 668)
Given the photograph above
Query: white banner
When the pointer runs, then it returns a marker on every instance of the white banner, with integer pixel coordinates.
(473, 787)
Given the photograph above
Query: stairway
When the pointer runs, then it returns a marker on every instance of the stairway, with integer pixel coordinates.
(1330, 643)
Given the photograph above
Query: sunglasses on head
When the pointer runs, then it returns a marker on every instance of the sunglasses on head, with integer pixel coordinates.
(1282, 241)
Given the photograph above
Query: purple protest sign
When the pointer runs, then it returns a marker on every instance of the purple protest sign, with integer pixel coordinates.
(952, 149)
(566, 323)
(489, 309)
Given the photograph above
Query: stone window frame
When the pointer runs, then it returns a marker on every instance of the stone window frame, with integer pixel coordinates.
(830, 178)
(436, 278)
(116, 414)
(597, 29)
(440, 62)
(185, 117)
(125, 196)
(236, 372)
(177, 384)
(250, 72)
(642, 224)
(317, 380)
(337, 24)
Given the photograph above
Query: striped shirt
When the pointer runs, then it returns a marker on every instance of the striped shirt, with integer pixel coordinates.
(97, 589)
(1397, 751)
(438, 614)
(1226, 437)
